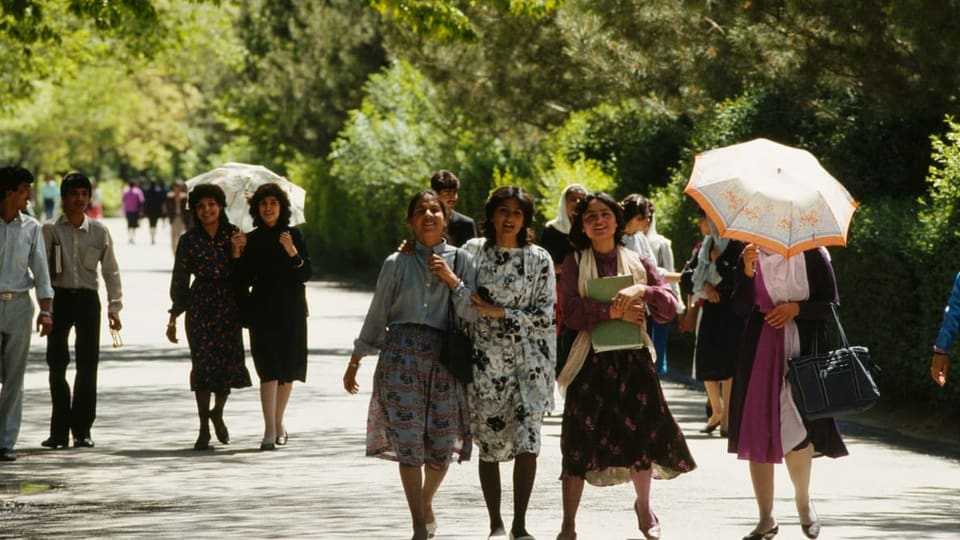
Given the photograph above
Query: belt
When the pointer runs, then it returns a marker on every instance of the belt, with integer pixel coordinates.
(64, 290)
(7, 296)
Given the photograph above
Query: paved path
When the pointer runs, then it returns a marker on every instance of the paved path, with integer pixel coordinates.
(144, 480)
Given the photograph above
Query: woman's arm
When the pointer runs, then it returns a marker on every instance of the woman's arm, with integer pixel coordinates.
(300, 260)
(657, 294)
(374, 328)
(578, 313)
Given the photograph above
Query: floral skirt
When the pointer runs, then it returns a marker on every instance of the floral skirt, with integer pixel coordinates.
(418, 411)
(615, 418)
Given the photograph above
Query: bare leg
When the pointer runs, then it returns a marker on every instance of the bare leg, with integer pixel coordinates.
(216, 416)
(641, 484)
(268, 402)
(283, 396)
(411, 478)
(762, 476)
(203, 412)
(524, 473)
(726, 385)
(490, 485)
(431, 483)
(713, 394)
(572, 488)
(799, 465)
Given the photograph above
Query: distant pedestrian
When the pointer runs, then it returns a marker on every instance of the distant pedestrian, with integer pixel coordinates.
(787, 303)
(418, 410)
(213, 312)
(175, 204)
(132, 200)
(616, 424)
(272, 261)
(515, 360)
(720, 326)
(153, 205)
(95, 208)
(940, 363)
(23, 266)
(76, 245)
(50, 192)
(460, 228)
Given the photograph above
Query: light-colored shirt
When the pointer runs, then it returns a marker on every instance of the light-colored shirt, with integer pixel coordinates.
(23, 262)
(50, 190)
(408, 293)
(75, 252)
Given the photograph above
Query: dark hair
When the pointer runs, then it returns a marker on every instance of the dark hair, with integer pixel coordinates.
(72, 181)
(578, 238)
(636, 205)
(444, 179)
(207, 191)
(270, 190)
(496, 199)
(420, 195)
(11, 177)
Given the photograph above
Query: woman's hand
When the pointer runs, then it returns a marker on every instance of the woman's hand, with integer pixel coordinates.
(782, 314)
(350, 376)
(635, 313)
(438, 267)
(938, 368)
(713, 296)
(172, 331)
(627, 296)
(487, 308)
(751, 252)
(238, 241)
(286, 240)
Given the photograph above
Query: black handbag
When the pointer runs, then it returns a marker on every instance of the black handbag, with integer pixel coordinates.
(833, 383)
(457, 351)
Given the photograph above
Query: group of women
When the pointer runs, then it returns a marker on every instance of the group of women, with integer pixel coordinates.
(224, 280)
(756, 309)
(616, 423)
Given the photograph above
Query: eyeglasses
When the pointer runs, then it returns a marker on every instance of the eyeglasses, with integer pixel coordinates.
(117, 340)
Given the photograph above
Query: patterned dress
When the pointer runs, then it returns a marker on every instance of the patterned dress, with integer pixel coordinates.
(213, 316)
(514, 357)
(615, 416)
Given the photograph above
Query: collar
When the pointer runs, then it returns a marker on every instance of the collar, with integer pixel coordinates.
(425, 251)
(85, 226)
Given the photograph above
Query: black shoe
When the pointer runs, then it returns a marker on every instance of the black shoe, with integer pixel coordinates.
(710, 428)
(219, 427)
(766, 535)
(203, 441)
(83, 442)
(7, 454)
(268, 446)
(55, 443)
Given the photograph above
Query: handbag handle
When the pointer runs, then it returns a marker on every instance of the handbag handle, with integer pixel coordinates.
(451, 310)
(840, 332)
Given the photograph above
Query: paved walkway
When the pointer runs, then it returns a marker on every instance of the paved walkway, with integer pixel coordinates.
(143, 480)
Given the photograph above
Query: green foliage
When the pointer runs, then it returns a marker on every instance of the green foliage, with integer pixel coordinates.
(635, 142)
(447, 21)
(561, 173)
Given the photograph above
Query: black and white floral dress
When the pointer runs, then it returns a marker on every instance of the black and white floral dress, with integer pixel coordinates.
(514, 357)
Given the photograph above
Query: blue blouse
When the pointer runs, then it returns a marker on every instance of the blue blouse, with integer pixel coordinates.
(408, 293)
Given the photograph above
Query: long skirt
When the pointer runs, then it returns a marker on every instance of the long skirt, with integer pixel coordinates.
(615, 418)
(418, 410)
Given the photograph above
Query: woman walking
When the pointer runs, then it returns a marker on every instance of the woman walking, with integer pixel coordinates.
(515, 364)
(616, 423)
(213, 315)
(418, 410)
(786, 302)
(720, 327)
(272, 262)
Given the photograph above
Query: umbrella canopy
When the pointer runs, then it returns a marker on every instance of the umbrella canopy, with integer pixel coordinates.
(772, 195)
(239, 181)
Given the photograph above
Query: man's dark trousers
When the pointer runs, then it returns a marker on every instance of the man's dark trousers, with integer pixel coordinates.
(78, 309)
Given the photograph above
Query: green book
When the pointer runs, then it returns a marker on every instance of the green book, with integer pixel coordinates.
(614, 334)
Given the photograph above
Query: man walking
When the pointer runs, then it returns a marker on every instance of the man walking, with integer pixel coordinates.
(460, 228)
(23, 266)
(75, 245)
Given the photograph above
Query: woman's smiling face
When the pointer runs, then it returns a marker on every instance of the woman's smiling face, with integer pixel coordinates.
(599, 221)
(508, 221)
(427, 220)
(208, 211)
(269, 208)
